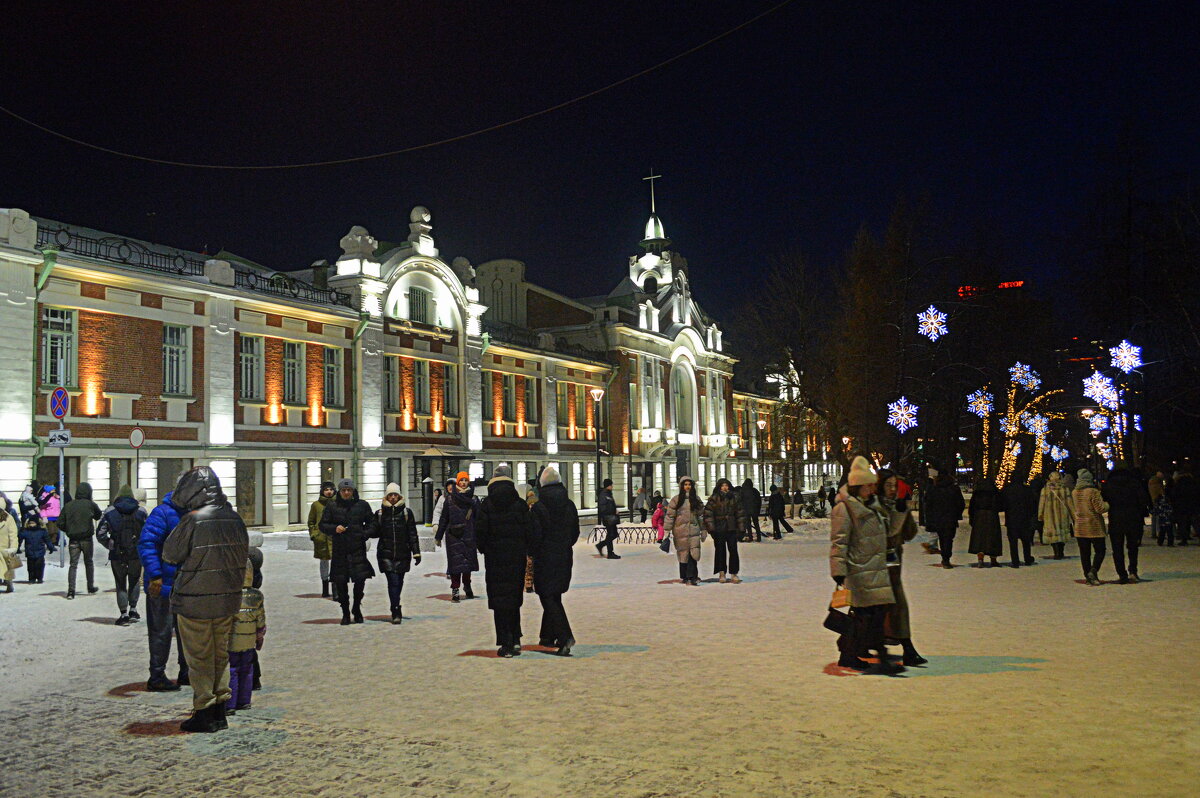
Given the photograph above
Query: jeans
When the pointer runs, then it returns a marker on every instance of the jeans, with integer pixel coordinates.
(160, 627)
(395, 583)
(35, 568)
(324, 565)
(241, 679)
(1091, 552)
(1122, 542)
(128, 576)
(76, 548)
(556, 629)
(726, 542)
(775, 522)
(206, 646)
(508, 626)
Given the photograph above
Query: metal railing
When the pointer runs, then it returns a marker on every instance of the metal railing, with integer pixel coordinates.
(119, 250)
(284, 286)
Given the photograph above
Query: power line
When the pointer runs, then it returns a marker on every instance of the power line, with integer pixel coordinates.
(403, 150)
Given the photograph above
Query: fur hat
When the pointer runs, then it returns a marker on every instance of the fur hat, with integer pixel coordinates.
(502, 471)
(549, 476)
(140, 495)
(860, 472)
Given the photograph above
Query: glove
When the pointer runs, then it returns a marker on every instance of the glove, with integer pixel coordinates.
(439, 544)
(155, 587)
(839, 580)
(417, 559)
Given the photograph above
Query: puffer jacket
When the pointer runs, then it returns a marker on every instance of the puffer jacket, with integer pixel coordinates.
(161, 521)
(396, 529)
(121, 528)
(751, 499)
(859, 540)
(682, 522)
(78, 518)
(250, 623)
(606, 508)
(37, 541)
(322, 545)
(210, 546)
(460, 511)
(723, 512)
(504, 533)
(555, 530)
(349, 561)
(1088, 508)
(1128, 501)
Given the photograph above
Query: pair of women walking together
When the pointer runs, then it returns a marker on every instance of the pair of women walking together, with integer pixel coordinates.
(690, 521)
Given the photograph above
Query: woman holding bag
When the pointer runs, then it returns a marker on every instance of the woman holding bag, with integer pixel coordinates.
(682, 520)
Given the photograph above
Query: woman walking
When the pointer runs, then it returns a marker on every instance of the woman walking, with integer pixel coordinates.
(348, 521)
(682, 520)
(725, 520)
(456, 527)
(322, 545)
(504, 532)
(1054, 511)
(399, 545)
(902, 528)
(858, 561)
(1089, 508)
(555, 531)
(984, 513)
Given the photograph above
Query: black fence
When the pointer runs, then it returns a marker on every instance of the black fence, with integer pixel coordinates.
(289, 287)
(119, 250)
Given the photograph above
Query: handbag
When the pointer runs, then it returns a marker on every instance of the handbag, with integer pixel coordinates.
(12, 561)
(837, 622)
(458, 530)
(666, 543)
(841, 598)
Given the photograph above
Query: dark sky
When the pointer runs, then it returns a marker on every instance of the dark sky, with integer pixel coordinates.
(790, 132)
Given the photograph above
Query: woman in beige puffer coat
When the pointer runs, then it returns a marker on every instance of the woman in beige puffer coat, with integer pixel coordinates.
(1089, 508)
(683, 522)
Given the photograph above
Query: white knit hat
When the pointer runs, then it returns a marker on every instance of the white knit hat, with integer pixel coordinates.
(549, 476)
(860, 472)
(392, 487)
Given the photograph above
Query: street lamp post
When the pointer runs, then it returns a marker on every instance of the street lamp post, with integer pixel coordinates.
(597, 394)
(762, 425)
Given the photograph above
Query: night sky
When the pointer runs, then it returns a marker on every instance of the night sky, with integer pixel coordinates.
(791, 132)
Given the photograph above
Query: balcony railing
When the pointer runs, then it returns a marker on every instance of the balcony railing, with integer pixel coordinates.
(124, 251)
(289, 287)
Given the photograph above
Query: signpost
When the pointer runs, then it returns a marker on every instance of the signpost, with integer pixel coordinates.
(60, 406)
(136, 438)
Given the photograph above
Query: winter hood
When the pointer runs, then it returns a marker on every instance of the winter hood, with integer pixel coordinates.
(198, 488)
(84, 491)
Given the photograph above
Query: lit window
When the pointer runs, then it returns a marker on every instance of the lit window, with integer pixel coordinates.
(485, 380)
(421, 386)
(251, 352)
(58, 347)
(333, 377)
(293, 373)
(418, 305)
(175, 361)
(510, 399)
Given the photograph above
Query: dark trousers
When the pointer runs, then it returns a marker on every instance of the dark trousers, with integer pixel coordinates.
(753, 530)
(458, 580)
(395, 583)
(946, 542)
(160, 627)
(1183, 526)
(1026, 541)
(35, 568)
(76, 548)
(868, 628)
(610, 534)
(726, 543)
(1123, 542)
(1164, 531)
(128, 576)
(643, 512)
(689, 570)
(775, 522)
(1091, 553)
(508, 626)
(556, 629)
(241, 679)
(360, 587)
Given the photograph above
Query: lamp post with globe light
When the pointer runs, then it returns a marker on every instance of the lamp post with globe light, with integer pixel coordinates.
(597, 394)
(761, 423)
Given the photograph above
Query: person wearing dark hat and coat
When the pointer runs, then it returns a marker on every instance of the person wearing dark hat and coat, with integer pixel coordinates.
(724, 519)
(119, 531)
(776, 511)
(752, 506)
(399, 545)
(1128, 505)
(322, 545)
(1020, 505)
(943, 506)
(348, 521)
(503, 533)
(555, 530)
(606, 513)
(984, 513)
(456, 527)
(78, 522)
(210, 546)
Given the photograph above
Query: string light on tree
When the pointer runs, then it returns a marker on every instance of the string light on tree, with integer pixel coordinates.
(1126, 356)
(932, 323)
(902, 414)
(1137, 422)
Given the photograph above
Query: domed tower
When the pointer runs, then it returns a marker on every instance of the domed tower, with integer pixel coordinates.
(655, 264)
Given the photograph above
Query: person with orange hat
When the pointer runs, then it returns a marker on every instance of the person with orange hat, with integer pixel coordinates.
(456, 528)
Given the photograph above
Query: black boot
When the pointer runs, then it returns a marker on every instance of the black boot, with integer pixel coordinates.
(345, 613)
(911, 657)
(324, 588)
(397, 618)
(219, 716)
(467, 590)
(202, 721)
(358, 616)
(885, 666)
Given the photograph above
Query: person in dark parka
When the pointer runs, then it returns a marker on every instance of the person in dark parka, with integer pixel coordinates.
(943, 506)
(348, 521)
(752, 506)
(503, 534)
(1019, 503)
(725, 521)
(399, 545)
(119, 531)
(456, 526)
(606, 515)
(776, 511)
(78, 522)
(555, 531)
(1128, 505)
(984, 513)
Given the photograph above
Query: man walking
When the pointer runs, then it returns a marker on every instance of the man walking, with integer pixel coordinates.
(158, 578)
(943, 504)
(1019, 502)
(555, 531)
(210, 546)
(503, 533)
(606, 514)
(119, 532)
(78, 522)
(1128, 504)
(777, 509)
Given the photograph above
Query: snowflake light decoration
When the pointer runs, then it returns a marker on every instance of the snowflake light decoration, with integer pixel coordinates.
(1137, 422)
(1025, 376)
(1037, 425)
(980, 403)
(1058, 454)
(1126, 356)
(1111, 465)
(932, 323)
(1016, 449)
(1098, 423)
(1004, 425)
(1045, 448)
(1100, 389)
(902, 414)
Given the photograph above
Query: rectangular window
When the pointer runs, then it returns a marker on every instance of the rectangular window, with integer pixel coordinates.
(450, 390)
(562, 389)
(176, 363)
(252, 367)
(485, 381)
(391, 385)
(421, 386)
(293, 373)
(418, 305)
(333, 377)
(580, 406)
(58, 347)
(531, 408)
(510, 398)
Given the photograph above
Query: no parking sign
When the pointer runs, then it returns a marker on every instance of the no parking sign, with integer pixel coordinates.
(60, 402)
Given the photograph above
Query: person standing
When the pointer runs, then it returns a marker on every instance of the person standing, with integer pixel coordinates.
(322, 544)
(1019, 502)
(1088, 508)
(37, 541)
(776, 509)
(78, 522)
(348, 521)
(639, 505)
(10, 541)
(50, 506)
(210, 547)
(1184, 494)
(119, 531)
(399, 546)
(984, 513)
(725, 520)
(456, 527)
(1157, 488)
(943, 505)
(245, 641)
(797, 504)
(1054, 511)
(439, 502)
(503, 534)
(606, 514)
(656, 501)
(531, 498)
(158, 577)
(1129, 503)
(902, 528)
(555, 532)
(858, 561)
(27, 504)
(752, 507)
(683, 522)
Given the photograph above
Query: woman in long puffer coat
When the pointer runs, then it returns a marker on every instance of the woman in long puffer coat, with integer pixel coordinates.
(504, 533)
(399, 545)
(683, 522)
(984, 514)
(322, 545)
(456, 528)
(1054, 511)
(902, 528)
(348, 521)
(725, 520)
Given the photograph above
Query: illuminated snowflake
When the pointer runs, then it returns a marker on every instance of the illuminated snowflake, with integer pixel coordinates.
(1045, 448)
(1004, 425)
(1100, 389)
(1098, 423)
(1137, 422)
(931, 323)
(1111, 465)
(1126, 356)
(1016, 449)
(1037, 425)
(902, 414)
(980, 403)
(1025, 376)
(1058, 454)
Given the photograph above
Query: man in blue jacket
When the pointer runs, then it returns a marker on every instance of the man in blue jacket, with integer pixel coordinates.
(159, 577)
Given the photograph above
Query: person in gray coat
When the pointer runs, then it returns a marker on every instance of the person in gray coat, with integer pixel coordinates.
(210, 546)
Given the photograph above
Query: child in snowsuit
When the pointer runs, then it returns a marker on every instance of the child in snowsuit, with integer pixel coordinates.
(249, 630)
(37, 540)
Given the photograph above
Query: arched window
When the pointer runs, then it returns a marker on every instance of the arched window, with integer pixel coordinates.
(681, 400)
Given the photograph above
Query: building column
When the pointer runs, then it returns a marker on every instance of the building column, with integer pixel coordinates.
(219, 366)
(473, 410)
(368, 387)
(550, 414)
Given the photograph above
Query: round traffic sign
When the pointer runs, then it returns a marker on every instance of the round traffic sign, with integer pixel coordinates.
(137, 437)
(60, 402)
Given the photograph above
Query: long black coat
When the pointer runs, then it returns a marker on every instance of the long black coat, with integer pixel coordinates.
(503, 532)
(349, 561)
(555, 531)
(1020, 504)
(396, 529)
(775, 505)
(1128, 502)
(943, 505)
(459, 510)
(985, 521)
(751, 499)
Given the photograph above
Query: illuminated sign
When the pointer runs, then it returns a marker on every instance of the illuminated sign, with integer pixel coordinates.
(976, 290)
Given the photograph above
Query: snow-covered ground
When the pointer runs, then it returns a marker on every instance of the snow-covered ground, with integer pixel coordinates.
(1036, 686)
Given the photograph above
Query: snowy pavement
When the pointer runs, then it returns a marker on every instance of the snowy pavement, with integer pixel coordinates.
(1036, 686)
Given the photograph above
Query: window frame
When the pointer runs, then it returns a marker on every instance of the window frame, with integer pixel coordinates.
(250, 365)
(531, 400)
(299, 364)
(421, 403)
(69, 339)
(426, 297)
(391, 384)
(485, 390)
(508, 397)
(333, 375)
(450, 402)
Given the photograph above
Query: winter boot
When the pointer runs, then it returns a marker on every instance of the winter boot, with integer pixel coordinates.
(454, 595)
(467, 591)
(345, 613)
(397, 618)
(911, 657)
(737, 580)
(70, 594)
(219, 717)
(358, 616)
(202, 721)
(324, 588)
(885, 666)
(183, 679)
(565, 649)
(721, 577)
